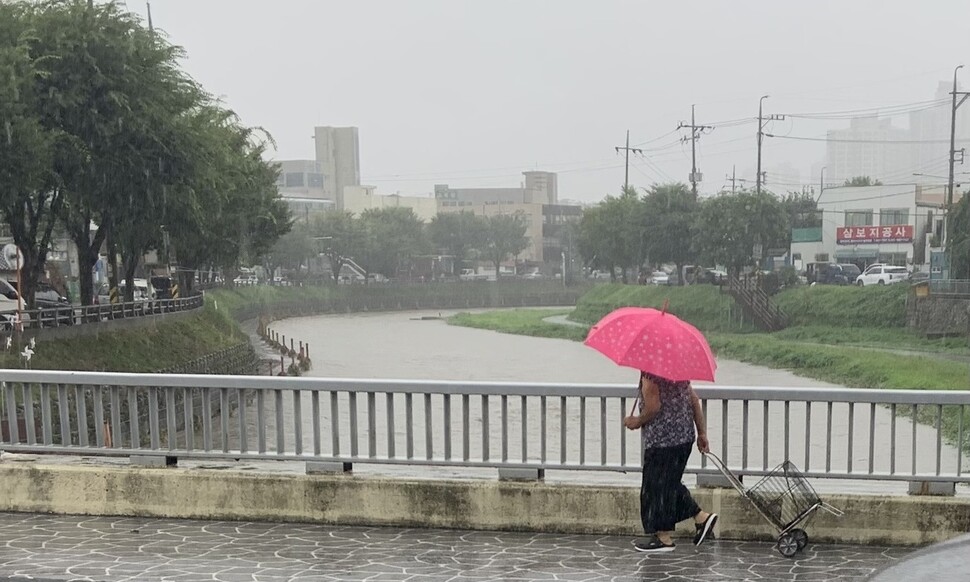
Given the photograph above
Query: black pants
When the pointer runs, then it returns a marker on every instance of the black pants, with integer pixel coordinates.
(664, 500)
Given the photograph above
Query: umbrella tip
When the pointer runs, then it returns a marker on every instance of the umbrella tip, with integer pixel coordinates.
(666, 305)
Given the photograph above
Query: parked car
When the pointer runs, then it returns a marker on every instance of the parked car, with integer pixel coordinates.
(534, 276)
(879, 275)
(600, 275)
(143, 292)
(9, 303)
(246, 279)
(48, 298)
(835, 273)
(659, 278)
(163, 287)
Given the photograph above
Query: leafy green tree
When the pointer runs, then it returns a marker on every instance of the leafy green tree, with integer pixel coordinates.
(339, 235)
(392, 237)
(458, 234)
(862, 181)
(504, 237)
(611, 234)
(731, 227)
(669, 225)
(958, 244)
(30, 193)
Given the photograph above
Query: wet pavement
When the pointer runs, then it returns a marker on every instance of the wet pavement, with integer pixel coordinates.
(106, 549)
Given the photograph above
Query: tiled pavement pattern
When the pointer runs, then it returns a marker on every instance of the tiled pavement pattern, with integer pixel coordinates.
(114, 549)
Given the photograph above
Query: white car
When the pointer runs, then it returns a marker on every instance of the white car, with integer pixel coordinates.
(882, 275)
(659, 278)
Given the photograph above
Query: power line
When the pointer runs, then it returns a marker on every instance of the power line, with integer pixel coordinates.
(888, 111)
(880, 141)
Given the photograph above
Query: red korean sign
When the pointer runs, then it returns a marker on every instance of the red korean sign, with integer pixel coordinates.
(868, 235)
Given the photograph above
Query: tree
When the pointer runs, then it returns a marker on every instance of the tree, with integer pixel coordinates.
(392, 237)
(30, 193)
(291, 251)
(457, 234)
(504, 237)
(958, 243)
(669, 224)
(611, 234)
(340, 235)
(862, 181)
(731, 227)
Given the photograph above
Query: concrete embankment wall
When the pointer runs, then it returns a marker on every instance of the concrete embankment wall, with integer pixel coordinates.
(487, 505)
(938, 315)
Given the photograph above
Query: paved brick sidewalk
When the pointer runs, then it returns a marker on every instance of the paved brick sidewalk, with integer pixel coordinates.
(44, 547)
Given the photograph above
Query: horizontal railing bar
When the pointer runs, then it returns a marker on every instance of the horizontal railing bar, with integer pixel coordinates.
(761, 393)
(476, 463)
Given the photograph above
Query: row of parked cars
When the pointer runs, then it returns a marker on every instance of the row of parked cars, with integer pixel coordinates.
(850, 274)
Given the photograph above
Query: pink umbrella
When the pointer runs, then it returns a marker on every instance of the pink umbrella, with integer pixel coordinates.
(653, 341)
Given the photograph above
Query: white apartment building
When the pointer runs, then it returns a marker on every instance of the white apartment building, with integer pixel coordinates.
(866, 148)
(338, 153)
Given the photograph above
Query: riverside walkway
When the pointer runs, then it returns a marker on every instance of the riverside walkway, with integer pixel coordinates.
(107, 549)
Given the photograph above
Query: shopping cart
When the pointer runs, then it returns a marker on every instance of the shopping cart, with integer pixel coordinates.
(783, 497)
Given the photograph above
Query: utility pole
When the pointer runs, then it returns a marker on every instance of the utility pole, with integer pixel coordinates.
(953, 153)
(627, 149)
(695, 134)
(150, 27)
(733, 178)
(762, 121)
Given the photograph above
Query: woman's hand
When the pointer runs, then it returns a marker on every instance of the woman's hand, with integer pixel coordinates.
(702, 444)
(632, 422)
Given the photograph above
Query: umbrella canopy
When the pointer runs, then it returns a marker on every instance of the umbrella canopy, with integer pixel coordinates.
(653, 341)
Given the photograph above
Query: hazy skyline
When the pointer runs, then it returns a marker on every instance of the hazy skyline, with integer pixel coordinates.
(473, 93)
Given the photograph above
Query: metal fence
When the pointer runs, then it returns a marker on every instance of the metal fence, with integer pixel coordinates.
(829, 433)
(76, 315)
(950, 287)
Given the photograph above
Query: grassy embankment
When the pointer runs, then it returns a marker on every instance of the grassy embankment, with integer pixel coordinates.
(838, 335)
(165, 344)
(146, 349)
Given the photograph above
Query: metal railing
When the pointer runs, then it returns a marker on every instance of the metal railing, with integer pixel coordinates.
(950, 287)
(52, 317)
(829, 433)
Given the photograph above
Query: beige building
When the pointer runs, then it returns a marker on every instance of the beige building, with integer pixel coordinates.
(531, 214)
(357, 199)
(338, 153)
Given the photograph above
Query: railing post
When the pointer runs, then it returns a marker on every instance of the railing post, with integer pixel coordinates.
(934, 488)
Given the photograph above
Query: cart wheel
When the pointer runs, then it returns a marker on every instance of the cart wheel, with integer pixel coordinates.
(787, 545)
(801, 538)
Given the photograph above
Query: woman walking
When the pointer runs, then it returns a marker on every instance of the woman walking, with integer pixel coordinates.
(669, 413)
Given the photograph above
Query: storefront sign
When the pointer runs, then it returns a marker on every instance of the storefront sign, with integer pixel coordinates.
(870, 235)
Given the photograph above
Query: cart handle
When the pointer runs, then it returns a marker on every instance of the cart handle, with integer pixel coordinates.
(717, 462)
(833, 510)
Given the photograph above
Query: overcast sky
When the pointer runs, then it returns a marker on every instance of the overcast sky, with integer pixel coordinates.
(472, 93)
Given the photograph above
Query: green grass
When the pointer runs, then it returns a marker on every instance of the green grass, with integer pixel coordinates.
(702, 305)
(862, 307)
(146, 349)
(521, 322)
(854, 367)
(891, 338)
(710, 310)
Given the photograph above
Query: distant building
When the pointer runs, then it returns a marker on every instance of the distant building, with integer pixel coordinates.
(891, 224)
(866, 148)
(338, 153)
(931, 126)
(302, 179)
(536, 201)
(357, 199)
(303, 210)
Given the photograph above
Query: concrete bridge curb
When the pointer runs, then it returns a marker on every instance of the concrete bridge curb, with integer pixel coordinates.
(478, 504)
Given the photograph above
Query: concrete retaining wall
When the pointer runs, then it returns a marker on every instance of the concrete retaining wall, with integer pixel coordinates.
(488, 505)
(95, 329)
(938, 315)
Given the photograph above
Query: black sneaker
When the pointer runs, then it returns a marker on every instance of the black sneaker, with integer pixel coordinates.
(705, 531)
(653, 545)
